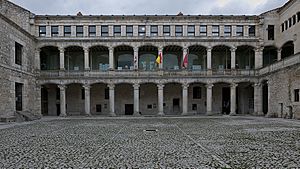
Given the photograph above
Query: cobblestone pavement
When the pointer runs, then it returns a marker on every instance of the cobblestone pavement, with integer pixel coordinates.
(187, 142)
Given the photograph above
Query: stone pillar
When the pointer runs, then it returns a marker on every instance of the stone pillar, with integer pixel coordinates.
(112, 99)
(38, 59)
(111, 58)
(185, 99)
(258, 58)
(136, 95)
(63, 110)
(233, 57)
(208, 50)
(269, 114)
(62, 58)
(209, 88)
(136, 58)
(278, 54)
(233, 99)
(160, 100)
(87, 99)
(86, 59)
(258, 99)
(160, 52)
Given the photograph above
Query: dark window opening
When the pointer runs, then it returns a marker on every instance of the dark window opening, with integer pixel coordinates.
(296, 91)
(117, 30)
(92, 30)
(196, 92)
(252, 30)
(178, 30)
(57, 93)
(240, 30)
(215, 30)
(167, 30)
(203, 30)
(154, 30)
(142, 30)
(19, 96)
(98, 108)
(271, 32)
(82, 94)
(42, 31)
(194, 107)
(104, 30)
(106, 93)
(294, 20)
(18, 53)
(79, 30)
(191, 30)
(129, 30)
(149, 106)
(227, 30)
(298, 16)
(282, 27)
(54, 30)
(290, 22)
(67, 31)
(286, 25)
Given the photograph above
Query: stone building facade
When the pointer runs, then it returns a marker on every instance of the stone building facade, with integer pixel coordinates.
(106, 65)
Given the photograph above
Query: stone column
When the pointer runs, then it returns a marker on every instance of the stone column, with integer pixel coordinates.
(63, 110)
(258, 58)
(233, 99)
(86, 59)
(233, 57)
(185, 99)
(62, 58)
(112, 99)
(136, 95)
(269, 114)
(87, 100)
(136, 58)
(208, 50)
(258, 100)
(38, 59)
(160, 89)
(111, 58)
(278, 54)
(160, 51)
(209, 88)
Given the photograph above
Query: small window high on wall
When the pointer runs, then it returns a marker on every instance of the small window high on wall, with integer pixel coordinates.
(18, 53)
(296, 93)
(271, 32)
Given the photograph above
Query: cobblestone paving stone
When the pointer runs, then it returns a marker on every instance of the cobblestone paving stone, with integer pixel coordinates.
(189, 142)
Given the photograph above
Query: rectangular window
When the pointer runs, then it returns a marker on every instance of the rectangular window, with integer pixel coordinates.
(282, 27)
(54, 31)
(178, 30)
(194, 107)
(67, 30)
(252, 30)
(18, 53)
(227, 30)
(104, 30)
(129, 30)
(298, 16)
(167, 30)
(98, 108)
(154, 30)
(191, 30)
(294, 20)
(142, 30)
(42, 31)
(79, 31)
(215, 30)
(296, 91)
(117, 30)
(106, 93)
(203, 30)
(290, 22)
(19, 96)
(286, 25)
(240, 30)
(92, 30)
(196, 92)
(82, 94)
(271, 32)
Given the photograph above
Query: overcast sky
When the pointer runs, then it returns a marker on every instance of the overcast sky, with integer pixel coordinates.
(140, 7)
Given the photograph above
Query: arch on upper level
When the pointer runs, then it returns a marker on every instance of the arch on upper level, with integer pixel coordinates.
(49, 58)
(287, 49)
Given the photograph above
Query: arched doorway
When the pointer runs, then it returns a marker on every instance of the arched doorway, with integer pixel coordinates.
(197, 98)
(49, 58)
(148, 99)
(124, 104)
(50, 100)
(287, 49)
(99, 99)
(245, 98)
(173, 99)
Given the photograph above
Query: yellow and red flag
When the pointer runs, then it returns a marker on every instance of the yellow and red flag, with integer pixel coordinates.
(159, 58)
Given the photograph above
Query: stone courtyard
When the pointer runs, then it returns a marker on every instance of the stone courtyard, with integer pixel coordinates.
(151, 142)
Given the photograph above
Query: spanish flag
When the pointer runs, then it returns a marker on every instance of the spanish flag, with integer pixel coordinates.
(159, 58)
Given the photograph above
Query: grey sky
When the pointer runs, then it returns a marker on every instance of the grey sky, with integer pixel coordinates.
(129, 7)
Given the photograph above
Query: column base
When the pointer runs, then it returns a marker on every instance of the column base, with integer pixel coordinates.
(62, 115)
(259, 114)
(88, 115)
(161, 114)
(112, 114)
(136, 114)
(209, 113)
(232, 114)
(185, 114)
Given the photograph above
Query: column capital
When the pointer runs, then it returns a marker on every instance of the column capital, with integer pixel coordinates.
(111, 48)
(62, 87)
(209, 48)
(279, 50)
(61, 49)
(233, 85)
(233, 49)
(38, 50)
(86, 86)
(86, 49)
(136, 86)
(185, 86)
(160, 86)
(209, 86)
(160, 48)
(136, 49)
(259, 49)
(257, 84)
(111, 86)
